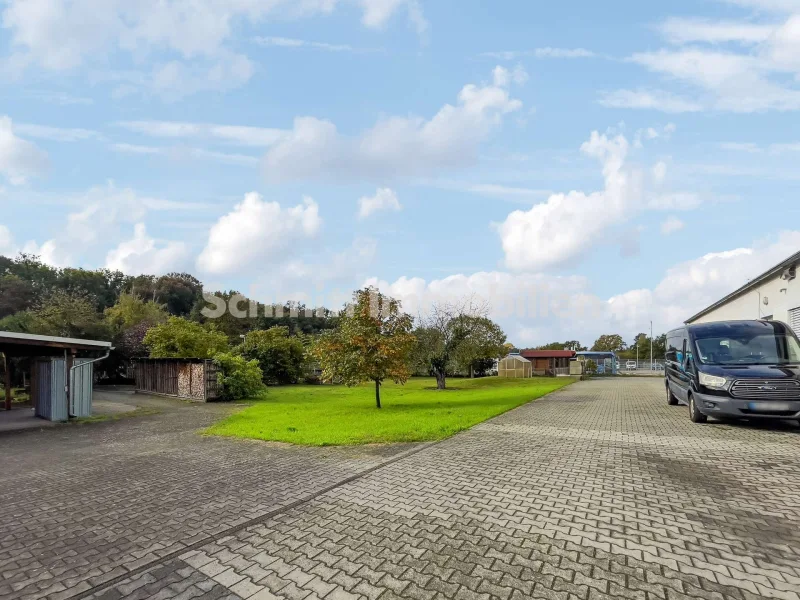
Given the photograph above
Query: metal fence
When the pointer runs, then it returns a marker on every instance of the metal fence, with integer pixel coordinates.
(641, 365)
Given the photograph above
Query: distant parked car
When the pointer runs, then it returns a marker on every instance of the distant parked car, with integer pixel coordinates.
(657, 367)
(630, 365)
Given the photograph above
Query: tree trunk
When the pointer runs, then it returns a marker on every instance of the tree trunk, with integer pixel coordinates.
(471, 371)
(378, 393)
(441, 383)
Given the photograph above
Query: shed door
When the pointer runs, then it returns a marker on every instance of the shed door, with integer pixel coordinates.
(794, 320)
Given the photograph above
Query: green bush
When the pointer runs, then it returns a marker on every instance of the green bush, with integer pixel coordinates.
(240, 378)
(280, 355)
(179, 338)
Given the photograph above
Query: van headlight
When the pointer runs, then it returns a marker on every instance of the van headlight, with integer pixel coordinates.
(712, 381)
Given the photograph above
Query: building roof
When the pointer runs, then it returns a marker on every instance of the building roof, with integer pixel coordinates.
(517, 357)
(756, 281)
(548, 353)
(25, 341)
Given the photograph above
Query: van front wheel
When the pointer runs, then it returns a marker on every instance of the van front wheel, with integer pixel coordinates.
(695, 415)
(672, 400)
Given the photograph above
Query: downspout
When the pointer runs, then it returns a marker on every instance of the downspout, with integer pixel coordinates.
(88, 362)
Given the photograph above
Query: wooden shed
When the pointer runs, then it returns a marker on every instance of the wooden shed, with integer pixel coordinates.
(191, 378)
(515, 366)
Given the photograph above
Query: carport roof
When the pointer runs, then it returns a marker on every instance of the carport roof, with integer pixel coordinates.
(25, 341)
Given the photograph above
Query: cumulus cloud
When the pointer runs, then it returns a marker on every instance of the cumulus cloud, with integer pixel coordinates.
(101, 216)
(568, 225)
(384, 199)
(19, 158)
(395, 146)
(257, 230)
(539, 308)
(143, 254)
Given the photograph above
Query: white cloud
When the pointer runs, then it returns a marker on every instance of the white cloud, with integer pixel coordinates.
(546, 52)
(693, 285)
(64, 35)
(240, 135)
(395, 146)
(649, 99)
(101, 216)
(184, 153)
(294, 279)
(537, 309)
(522, 195)
(282, 42)
(384, 199)
(377, 13)
(143, 254)
(736, 66)
(19, 159)
(50, 253)
(256, 230)
(56, 134)
(683, 31)
(176, 79)
(504, 77)
(672, 225)
(660, 171)
(562, 229)
(7, 245)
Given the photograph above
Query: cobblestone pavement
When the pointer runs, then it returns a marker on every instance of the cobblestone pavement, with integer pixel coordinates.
(598, 491)
(83, 504)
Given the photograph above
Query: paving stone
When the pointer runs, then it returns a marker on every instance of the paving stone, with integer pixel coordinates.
(598, 491)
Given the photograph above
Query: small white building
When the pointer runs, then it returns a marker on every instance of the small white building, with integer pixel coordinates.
(774, 295)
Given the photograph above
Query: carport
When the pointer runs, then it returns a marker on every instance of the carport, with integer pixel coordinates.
(60, 370)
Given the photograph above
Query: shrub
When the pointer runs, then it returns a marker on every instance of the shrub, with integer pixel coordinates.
(280, 355)
(240, 378)
(179, 338)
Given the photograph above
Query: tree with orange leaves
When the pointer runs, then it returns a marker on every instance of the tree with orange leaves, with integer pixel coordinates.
(373, 342)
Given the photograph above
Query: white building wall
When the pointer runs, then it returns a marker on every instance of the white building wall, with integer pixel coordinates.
(781, 295)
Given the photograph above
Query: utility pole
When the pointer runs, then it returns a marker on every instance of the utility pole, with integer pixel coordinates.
(651, 345)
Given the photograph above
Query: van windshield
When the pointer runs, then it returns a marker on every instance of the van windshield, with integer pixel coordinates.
(772, 348)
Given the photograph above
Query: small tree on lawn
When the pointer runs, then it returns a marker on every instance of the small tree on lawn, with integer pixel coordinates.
(446, 328)
(373, 342)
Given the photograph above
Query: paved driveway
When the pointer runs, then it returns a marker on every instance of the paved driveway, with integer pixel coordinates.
(600, 490)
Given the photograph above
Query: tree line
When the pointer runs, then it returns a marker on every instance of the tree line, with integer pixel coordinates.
(616, 343)
(162, 317)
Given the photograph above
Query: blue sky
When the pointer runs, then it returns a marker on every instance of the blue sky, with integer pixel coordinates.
(436, 149)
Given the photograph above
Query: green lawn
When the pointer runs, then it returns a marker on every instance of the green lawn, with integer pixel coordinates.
(327, 415)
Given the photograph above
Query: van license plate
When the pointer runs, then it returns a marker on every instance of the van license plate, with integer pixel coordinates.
(769, 406)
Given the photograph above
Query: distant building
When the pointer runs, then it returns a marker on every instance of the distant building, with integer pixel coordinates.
(606, 361)
(549, 362)
(773, 295)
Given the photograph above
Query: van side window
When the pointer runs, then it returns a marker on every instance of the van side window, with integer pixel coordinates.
(672, 347)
